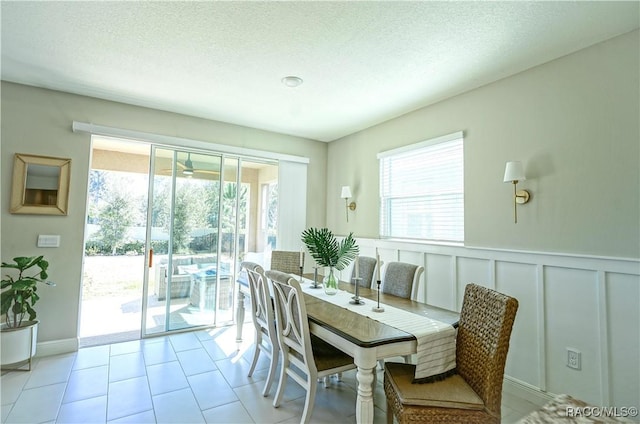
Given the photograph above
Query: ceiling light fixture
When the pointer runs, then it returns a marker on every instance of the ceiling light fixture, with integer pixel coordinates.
(292, 81)
(188, 170)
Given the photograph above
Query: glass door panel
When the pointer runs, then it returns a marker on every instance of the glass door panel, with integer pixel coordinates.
(229, 236)
(183, 228)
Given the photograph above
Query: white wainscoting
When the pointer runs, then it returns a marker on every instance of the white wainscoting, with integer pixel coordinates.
(590, 304)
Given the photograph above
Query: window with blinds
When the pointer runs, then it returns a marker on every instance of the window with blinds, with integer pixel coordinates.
(422, 190)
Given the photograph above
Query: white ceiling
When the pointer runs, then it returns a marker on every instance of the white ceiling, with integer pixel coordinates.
(362, 62)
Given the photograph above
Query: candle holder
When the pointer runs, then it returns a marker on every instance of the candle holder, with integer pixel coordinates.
(378, 308)
(315, 279)
(301, 268)
(356, 299)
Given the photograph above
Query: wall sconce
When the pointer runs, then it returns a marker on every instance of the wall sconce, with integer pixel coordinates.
(513, 173)
(346, 195)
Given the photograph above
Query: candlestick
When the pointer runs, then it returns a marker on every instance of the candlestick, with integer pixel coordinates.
(378, 308)
(357, 266)
(301, 274)
(301, 258)
(315, 278)
(356, 299)
(378, 265)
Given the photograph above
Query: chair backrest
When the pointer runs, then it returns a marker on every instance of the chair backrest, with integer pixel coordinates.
(261, 305)
(402, 279)
(366, 270)
(292, 325)
(286, 261)
(486, 320)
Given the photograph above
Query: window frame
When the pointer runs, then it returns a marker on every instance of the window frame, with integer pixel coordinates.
(456, 231)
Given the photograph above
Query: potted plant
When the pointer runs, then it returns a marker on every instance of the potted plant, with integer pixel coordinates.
(19, 295)
(327, 252)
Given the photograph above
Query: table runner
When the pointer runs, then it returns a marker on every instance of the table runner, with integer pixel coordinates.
(436, 343)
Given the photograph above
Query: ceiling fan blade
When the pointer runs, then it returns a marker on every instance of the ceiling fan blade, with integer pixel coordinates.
(206, 171)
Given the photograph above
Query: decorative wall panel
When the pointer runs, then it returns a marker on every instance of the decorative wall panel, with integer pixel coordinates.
(591, 304)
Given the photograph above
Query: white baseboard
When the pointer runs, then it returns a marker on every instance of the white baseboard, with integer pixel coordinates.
(526, 391)
(57, 347)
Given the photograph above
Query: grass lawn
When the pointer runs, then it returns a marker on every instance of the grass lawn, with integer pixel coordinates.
(119, 276)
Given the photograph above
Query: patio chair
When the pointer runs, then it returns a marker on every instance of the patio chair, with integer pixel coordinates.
(474, 394)
(305, 357)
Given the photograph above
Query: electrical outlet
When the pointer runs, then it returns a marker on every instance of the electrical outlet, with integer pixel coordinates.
(574, 358)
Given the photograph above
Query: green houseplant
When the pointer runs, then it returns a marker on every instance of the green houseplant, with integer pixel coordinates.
(328, 252)
(19, 295)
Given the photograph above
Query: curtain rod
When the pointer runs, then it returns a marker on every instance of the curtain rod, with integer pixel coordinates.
(182, 142)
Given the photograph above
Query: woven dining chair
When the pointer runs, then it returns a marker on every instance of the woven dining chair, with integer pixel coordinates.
(474, 394)
(305, 357)
(263, 317)
(286, 261)
(366, 270)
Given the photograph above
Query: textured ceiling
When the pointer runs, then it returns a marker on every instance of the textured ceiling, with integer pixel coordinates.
(362, 62)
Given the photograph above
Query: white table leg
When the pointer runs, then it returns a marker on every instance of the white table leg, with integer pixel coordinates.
(240, 316)
(364, 404)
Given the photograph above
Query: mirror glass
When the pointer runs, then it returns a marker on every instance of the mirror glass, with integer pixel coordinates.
(40, 185)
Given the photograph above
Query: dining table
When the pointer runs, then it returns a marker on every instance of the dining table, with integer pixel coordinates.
(366, 339)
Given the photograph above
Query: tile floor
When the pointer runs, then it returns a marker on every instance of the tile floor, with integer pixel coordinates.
(197, 377)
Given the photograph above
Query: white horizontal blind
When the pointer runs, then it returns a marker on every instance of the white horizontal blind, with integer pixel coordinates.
(292, 204)
(422, 190)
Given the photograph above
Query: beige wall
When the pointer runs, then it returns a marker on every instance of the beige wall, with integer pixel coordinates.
(38, 121)
(574, 122)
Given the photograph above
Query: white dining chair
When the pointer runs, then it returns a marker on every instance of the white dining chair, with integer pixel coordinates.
(366, 271)
(263, 316)
(305, 357)
(402, 279)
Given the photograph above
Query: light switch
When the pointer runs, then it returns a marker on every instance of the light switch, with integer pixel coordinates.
(48, 240)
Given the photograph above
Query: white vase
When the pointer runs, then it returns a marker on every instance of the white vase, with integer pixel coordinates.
(18, 344)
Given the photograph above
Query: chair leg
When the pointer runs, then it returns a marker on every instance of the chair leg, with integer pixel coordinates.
(272, 371)
(308, 403)
(256, 354)
(325, 380)
(239, 317)
(283, 377)
(375, 381)
(389, 414)
(339, 376)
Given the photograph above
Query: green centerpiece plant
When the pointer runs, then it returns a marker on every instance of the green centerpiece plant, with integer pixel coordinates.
(328, 252)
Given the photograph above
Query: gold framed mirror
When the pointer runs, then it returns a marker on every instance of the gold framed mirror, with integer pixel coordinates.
(40, 185)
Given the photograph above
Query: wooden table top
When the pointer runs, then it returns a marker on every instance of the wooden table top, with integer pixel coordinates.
(364, 331)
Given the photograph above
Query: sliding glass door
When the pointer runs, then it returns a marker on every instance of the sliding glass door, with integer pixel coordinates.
(170, 252)
(190, 277)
